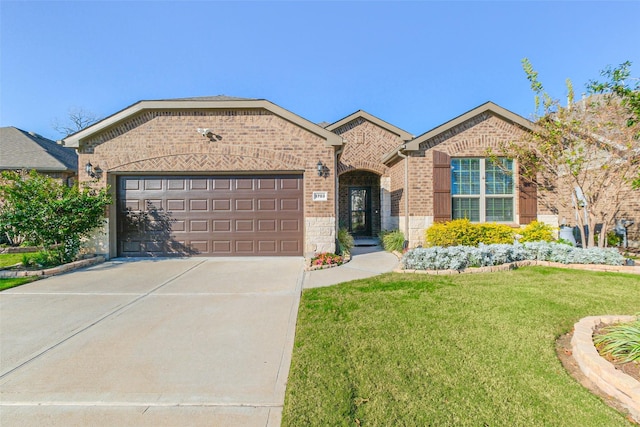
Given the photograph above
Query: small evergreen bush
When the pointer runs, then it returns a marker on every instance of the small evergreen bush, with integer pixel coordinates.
(462, 232)
(537, 231)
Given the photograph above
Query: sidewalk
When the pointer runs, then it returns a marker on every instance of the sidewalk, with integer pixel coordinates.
(366, 261)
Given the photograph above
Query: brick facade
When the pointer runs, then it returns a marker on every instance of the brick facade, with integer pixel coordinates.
(263, 140)
(360, 164)
(243, 141)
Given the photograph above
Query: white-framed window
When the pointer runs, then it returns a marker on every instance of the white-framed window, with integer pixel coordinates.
(482, 190)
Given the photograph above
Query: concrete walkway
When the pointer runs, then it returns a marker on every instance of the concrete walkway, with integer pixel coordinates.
(151, 343)
(366, 261)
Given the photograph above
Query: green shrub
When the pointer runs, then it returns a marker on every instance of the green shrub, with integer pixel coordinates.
(537, 231)
(345, 241)
(47, 213)
(43, 258)
(613, 239)
(392, 240)
(492, 233)
(461, 232)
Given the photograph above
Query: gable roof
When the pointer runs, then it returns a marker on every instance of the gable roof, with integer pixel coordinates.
(403, 134)
(490, 107)
(206, 102)
(27, 150)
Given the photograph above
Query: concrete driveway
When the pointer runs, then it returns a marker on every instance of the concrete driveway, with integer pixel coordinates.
(151, 342)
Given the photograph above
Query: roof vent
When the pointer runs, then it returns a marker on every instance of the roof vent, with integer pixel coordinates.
(32, 133)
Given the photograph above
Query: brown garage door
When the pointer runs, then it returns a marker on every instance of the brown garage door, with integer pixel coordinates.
(210, 215)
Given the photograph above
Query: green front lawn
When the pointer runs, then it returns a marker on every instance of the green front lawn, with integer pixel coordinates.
(13, 282)
(464, 350)
(7, 260)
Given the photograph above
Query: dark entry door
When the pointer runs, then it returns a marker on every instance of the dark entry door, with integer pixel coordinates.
(360, 211)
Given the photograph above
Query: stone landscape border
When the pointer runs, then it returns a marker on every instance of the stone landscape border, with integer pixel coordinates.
(53, 270)
(601, 372)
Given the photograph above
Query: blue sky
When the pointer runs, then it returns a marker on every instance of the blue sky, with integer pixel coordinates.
(413, 64)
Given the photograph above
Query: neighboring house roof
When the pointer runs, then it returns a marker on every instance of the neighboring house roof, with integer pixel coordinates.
(404, 135)
(206, 102)
(27, 150)
(490, 107)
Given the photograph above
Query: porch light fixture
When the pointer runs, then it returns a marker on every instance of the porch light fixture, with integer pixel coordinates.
(93, 173)
(320, 168)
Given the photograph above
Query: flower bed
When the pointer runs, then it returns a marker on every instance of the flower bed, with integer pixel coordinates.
(461, 257)
(327, 260)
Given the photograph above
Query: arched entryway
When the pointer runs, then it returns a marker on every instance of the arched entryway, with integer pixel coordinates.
(359, 203)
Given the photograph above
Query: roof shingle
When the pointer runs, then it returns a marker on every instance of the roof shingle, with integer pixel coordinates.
(24, 150)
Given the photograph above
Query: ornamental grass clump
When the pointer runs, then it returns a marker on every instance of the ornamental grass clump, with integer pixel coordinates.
(621, 341)
(345, 241)
(392, 240)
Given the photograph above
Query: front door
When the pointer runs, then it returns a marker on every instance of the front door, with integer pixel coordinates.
(360, 211)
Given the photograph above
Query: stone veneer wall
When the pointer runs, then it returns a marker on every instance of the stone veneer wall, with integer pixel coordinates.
(246, 141)
(320, 235)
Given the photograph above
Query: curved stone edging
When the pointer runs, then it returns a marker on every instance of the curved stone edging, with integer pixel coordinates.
(513, 265)
(603, 374)
(54, 270)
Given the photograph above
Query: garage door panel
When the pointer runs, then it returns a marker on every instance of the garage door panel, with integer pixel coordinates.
(244, 225)
(290, 204)
(290, 246)
(176, 184)
(222, 246)
(290, 183)
(267, 246)
(245, 247)
(199, 205)
(267, 184)
(257, 215)
(221, 205)
(244, 183)
(267, 204)
(176, 205)
(222, 225)
(199, 225)
(199, 184)
(201, 246)
(244, 204)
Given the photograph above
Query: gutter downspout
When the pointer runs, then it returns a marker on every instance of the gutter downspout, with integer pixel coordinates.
(406, 186)
(336, 193)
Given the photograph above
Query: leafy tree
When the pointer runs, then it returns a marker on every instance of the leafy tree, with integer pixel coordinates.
(619, 84)
(48, 213)
(582, 157)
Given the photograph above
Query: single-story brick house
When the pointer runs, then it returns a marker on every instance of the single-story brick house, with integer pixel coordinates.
(20, 149)
(233, 177)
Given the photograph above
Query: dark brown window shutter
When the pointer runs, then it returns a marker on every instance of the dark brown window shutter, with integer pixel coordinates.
(528, 201)
(441, 187)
